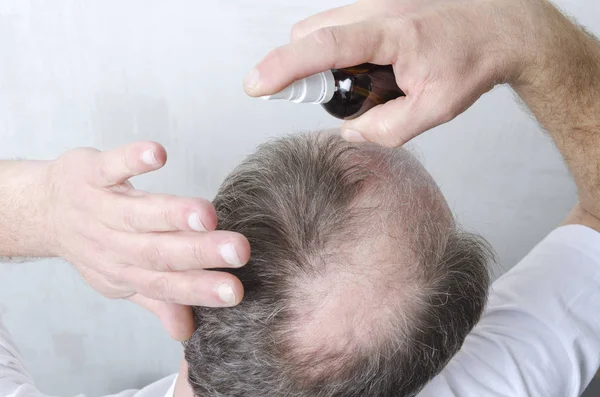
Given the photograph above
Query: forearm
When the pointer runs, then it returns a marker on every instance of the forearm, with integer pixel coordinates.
(23, 230)
(561, 86)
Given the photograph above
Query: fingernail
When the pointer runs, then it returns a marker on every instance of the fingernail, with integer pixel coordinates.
(251, 80)
(149, 158)
(229, 255)
(353, 136)
(226, 294)
(195, 223)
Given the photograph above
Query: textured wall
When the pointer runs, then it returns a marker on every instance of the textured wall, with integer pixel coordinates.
(105, 72)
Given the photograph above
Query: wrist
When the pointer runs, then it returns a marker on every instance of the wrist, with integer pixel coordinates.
(25, 206)
(549, 50)
(510, 39)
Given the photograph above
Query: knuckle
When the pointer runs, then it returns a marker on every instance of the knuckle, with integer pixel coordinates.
(407, 34)
(114, 276)
(275, 57)
(164, 209)
(383, 35)
(124, 160)
(102, 173)
(327, 37)
(297, 30)
(162, 288)
(415, 27)
(387, 132)
(383, 131)
(151, 253)
(128, 219)
(168, 215)
(197, 253)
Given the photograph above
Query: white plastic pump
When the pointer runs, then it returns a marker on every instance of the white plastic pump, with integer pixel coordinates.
(318, 88)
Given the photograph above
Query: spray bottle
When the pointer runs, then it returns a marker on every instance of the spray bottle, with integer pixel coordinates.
(345, 93)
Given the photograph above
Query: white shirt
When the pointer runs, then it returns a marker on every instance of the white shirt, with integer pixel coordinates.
(539, 336)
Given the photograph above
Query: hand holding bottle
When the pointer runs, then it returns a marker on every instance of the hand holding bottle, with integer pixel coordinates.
(445, 55)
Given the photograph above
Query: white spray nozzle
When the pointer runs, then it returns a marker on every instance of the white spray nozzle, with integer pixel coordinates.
(318, 88)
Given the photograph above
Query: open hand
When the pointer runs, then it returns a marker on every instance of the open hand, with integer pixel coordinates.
(152, 249)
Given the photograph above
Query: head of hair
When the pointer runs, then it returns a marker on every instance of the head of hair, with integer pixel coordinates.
(360, 283)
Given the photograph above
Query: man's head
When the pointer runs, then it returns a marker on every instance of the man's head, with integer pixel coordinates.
(359, 284)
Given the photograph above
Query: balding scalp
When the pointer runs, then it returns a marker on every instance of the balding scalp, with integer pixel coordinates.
(359, 283)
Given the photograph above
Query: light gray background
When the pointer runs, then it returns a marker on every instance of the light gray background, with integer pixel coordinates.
(105, 72)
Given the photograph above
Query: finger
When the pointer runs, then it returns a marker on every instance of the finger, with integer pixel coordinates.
(344, 15)
(184, 250)
(396, 122)
(176, 319)
(191, 288)
(116, 166)
(156, 213)
(330, 47)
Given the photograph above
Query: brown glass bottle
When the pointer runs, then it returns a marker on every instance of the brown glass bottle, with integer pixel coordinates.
(360, 88)
(344, 93)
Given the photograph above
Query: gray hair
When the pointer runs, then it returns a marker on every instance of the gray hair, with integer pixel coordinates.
(360, 283)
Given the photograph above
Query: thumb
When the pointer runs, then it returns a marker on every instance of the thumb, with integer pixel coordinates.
(115, 166)
(176, 319)
(394, 123)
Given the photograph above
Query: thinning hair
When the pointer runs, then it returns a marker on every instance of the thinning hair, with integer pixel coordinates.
(360, 283)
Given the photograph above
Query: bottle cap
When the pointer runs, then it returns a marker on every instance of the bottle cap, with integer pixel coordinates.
(318, 88)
